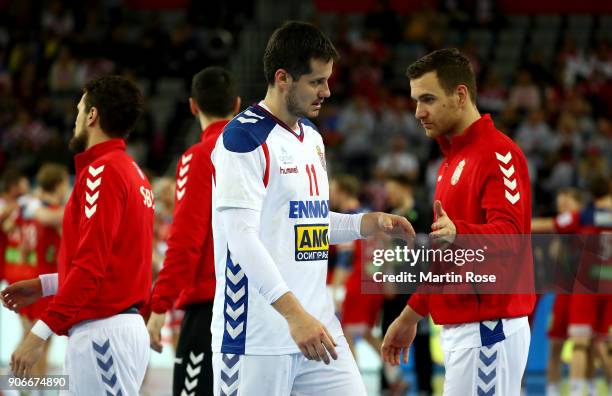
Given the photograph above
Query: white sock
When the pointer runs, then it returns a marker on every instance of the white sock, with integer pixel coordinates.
(553, 389)
(577, 387)
(592, 387)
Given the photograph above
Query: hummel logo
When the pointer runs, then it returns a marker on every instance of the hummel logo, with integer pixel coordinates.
(93, 184)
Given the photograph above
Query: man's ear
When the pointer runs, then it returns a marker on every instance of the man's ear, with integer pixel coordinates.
(193, 106)
(282, 78)
(463, 94)
(92, 116)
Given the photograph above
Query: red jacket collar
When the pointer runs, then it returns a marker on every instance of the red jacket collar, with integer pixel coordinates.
(85, 158)
(213, 129)
(470, 134)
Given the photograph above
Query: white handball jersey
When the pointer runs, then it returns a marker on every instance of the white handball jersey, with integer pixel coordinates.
(261, 164)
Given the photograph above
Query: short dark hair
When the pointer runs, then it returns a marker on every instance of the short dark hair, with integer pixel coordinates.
(50, 176)
(452, 69)
(599, 187)
(347, 184)
(11, 177)
(571, 192)
(214, 91)
(119, 102)
(292, 46)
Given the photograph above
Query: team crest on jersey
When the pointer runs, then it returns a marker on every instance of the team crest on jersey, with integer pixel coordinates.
(285, 158)
(321, 157)
(311, 242)
(457, 173)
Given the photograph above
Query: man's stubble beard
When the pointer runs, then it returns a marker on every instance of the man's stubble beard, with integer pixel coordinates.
(292, 106)
(78, 143)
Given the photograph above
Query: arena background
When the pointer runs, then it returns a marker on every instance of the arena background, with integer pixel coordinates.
(544, 73)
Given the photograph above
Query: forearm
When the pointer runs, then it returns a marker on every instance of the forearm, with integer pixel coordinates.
(542, 224)
(50, 217)
(288, 306)
(369, 224)
(345, 227)
(242, 229)
(49, 284)
(410, 316)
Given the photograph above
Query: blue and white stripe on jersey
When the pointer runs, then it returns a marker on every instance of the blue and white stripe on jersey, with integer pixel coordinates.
(235, 308)
(247, 131)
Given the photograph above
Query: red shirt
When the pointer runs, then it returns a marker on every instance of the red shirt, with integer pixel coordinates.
(189, 272)
(48, 241)
(481, 198)
(105, 255)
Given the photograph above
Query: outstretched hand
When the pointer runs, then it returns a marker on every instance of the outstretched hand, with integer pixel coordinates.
(443, 229)
(394, 226)
(21, 294)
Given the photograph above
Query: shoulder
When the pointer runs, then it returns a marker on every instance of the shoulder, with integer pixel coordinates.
(247, 131)
(116, 168)
(497, 148)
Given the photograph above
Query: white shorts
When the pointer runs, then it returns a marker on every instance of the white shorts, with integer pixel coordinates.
(488, 370)
(282, 375)
(107, 356)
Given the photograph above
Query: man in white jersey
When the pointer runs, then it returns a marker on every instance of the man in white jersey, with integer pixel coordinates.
(273, 320)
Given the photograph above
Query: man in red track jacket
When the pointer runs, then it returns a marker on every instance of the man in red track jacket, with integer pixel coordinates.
(189, 272)
(483, 189)
(105, 254)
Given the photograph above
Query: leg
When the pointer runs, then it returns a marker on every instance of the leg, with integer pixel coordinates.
(423, 361)
(340, 377)
(375, 342)
(193, 364)
(553, 368)
(245, 375)
(583, 320)
(108, 356)
(557, 335)
(494, 369)
(578, 365)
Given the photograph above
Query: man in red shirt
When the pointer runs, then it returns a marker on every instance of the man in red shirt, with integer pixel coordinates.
(187, 278)
(482, 189)
(105, 255)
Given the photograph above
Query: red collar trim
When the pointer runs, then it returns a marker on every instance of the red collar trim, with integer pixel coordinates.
(214, 128)
(300, 137)
(470, 134)
(85, 158)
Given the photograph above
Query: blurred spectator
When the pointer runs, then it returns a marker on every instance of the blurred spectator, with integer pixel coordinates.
(356, 124)
(534, 137)
(492, 95)
(64, 72)
(525, 95)
(398, 161)
(58, 19)
(568, 135)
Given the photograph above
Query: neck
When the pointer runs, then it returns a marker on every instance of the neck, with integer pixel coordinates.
(206, 121)
(97, 136)
(276, 103)
(471, 116)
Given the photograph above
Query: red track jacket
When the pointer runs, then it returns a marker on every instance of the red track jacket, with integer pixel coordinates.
(189, 272)
(484, 188)
(105, 254)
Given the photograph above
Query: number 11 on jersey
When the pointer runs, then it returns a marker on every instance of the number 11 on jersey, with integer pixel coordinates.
(312, 177)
